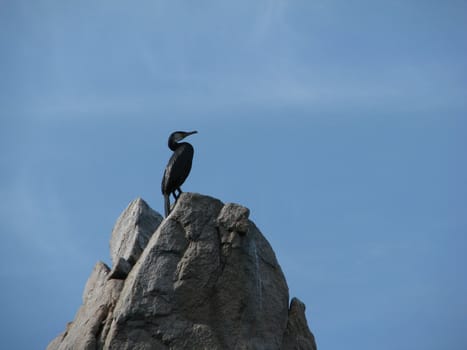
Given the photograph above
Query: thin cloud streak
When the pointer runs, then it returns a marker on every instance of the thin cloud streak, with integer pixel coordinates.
(155, 66)
(216, 95)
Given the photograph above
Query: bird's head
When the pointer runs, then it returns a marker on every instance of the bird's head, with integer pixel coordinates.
(180, 135)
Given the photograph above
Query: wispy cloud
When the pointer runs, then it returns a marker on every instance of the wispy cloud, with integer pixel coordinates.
(198, 59)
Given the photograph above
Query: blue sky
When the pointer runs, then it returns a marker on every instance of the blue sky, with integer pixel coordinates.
(341, 125)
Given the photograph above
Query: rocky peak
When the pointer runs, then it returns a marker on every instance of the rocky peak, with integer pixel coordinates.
(132, 231)
(203, 278)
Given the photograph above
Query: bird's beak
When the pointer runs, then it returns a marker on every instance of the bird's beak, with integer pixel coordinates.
(191, 133)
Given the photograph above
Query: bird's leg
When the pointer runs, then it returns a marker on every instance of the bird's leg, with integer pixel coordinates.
(167, 204)
(174, 193)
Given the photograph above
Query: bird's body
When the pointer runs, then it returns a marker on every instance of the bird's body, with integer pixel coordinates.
(178, 168)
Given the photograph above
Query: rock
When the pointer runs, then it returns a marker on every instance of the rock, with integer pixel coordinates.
(207, 279)
(120, 270)
(88, 329)
(132, 231)
(297, 335)
(234, 217)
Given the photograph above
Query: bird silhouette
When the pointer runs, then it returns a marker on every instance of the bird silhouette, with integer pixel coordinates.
(178, 168)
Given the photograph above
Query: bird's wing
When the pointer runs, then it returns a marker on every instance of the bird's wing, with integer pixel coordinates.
(178, 168)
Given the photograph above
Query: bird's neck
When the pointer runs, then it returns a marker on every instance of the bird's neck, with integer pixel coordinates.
(173, 145)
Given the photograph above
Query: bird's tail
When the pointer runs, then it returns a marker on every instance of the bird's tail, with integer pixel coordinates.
(167, 204)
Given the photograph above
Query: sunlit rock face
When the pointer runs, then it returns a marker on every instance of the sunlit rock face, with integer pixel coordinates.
(206, 278)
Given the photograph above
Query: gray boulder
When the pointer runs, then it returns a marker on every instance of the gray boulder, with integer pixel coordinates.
(132, 231)
(207, 279)
(298, 335)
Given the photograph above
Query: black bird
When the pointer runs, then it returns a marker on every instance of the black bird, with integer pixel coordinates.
(177, 168)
